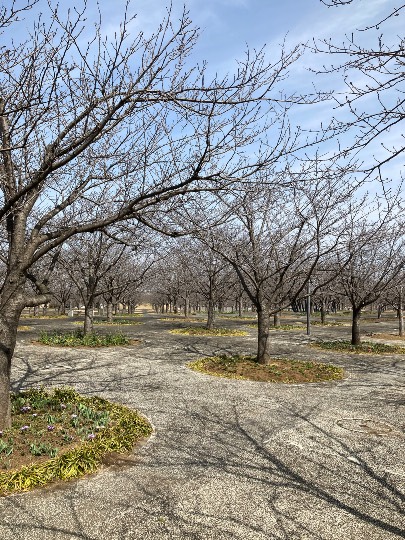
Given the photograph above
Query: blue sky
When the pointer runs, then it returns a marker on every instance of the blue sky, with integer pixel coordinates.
(227, 27)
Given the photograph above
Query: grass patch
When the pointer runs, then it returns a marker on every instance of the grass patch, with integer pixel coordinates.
(237, 318)
(179, 319)
(61, 435)
(280, 370)
(117, 322)
(367, 347)
(78, 339)
(328, 323)
(22, 328)
(282, 327)
(28, 316)
(203, 331)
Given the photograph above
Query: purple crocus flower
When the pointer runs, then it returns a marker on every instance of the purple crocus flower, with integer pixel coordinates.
(91, 436)
(50, 428)
(24, 428)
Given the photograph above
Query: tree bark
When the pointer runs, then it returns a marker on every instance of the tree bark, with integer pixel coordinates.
(88, 317)
(400, 314)
(186, 306)
(211, 314)
(276, 319)
(263, 342)
(8, 336)
(109, 311)
(11, 305)
(356, 326)
(323, 312)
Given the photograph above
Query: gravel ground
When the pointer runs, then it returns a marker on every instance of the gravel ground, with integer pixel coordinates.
(228, 459)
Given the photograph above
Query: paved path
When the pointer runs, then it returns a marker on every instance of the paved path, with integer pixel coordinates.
(228, 459)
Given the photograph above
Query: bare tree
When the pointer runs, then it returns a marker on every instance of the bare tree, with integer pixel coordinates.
(374, 78)
(276, 238)
(96, 131)
(369, 264)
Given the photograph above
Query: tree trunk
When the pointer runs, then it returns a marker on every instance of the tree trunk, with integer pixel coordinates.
(8, 336)
(12, 304)
(263, 341)
(88, 318)
(323, 312)
(276, 319)
(109, 311)
(211, 314)
(356, 326)
(400, 314)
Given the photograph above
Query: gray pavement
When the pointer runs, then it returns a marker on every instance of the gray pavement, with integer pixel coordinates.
(228, 459)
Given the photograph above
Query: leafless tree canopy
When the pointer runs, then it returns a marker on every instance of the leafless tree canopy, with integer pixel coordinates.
(374, 79)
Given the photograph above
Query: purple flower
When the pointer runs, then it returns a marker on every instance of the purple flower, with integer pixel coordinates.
(73, 416)
(24, 428)
(1, 434)
(34, 415)
(62, 406)
(50, 428)
(91, 436)
(25, 409)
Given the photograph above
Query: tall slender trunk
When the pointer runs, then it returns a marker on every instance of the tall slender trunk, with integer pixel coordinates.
(276, 319)
(356, 326)
(323, 312)
(211, 314)
(186, 306)
(400, 314)
(263, 341)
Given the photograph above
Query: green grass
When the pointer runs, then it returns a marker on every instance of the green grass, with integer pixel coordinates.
(203, 331)
(78, 339)
(121, 429)
(366, 347)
